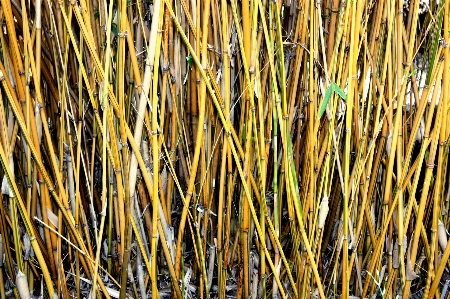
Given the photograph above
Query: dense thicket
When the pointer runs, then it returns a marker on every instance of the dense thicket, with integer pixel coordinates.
(223, 149)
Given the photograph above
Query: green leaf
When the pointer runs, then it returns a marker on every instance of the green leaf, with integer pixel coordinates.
(326, 98)
(114, 29)
(332, 87)
(339, 91)
(189, 61)
(412, 73)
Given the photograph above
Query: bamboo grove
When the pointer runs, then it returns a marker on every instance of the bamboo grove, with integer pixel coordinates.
(224, 149)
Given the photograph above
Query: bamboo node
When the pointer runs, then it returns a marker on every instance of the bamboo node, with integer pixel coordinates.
(400, 11)
(430, 166)
(118, 170)
(122, 34)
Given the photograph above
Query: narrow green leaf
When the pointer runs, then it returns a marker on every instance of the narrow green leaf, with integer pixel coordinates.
(114, 29)
(189, 61)
(326, 98)
(339, 91)
(413, 72)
